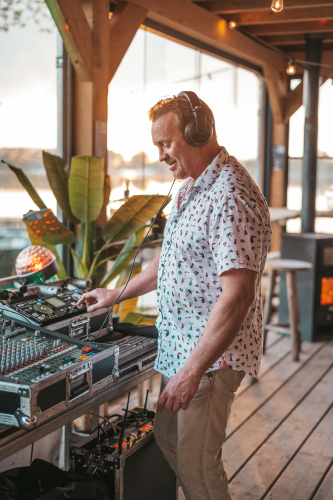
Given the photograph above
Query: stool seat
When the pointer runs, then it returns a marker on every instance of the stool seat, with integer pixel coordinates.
(290, 266)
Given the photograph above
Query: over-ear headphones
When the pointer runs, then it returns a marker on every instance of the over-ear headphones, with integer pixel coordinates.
(198, 131)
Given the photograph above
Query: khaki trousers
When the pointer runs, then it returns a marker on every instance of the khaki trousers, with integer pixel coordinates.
(191, 440)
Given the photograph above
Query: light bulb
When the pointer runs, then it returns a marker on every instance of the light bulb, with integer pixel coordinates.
(232, 25)
(291, 70)
(277, 5)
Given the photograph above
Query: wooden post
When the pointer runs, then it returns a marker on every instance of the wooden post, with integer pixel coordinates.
(311, 95)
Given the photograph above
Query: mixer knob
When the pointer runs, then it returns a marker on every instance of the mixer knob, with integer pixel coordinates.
(37, 333)
(12, 325)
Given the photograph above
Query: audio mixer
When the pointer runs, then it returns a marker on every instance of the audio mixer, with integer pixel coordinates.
(43, 372)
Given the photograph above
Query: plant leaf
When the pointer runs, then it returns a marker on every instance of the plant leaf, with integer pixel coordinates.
(140, 319)
(126, 255)
(45, 225)
(86, 186)
(129, 305)
(57, 173)
(131, 216)
(23, 179)
(107, 192)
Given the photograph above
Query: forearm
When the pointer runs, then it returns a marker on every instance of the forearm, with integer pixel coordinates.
(223, 325)
(143, 283)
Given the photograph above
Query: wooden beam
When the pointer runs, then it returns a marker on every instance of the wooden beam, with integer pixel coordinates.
(287, 28)
(125, 21)
(233, 6)
(296, 47)
(293, 101)
(286, 16)
(76, 34)
(290, 39)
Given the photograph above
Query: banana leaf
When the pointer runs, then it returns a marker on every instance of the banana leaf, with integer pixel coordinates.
(36, 241)
(23, 179)
(45, 225)
(123, 259)
(131, 216)
(128, 305)
(107, 192)
(58, 173)
(140, 319)
(86, 187)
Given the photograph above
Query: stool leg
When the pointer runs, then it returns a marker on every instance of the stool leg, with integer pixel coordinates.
(294, 318)
(268, 304)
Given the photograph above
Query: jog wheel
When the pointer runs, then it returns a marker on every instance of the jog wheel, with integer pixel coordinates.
(43, 309)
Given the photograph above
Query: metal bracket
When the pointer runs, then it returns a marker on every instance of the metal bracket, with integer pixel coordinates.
(25, 421)
(79, 327)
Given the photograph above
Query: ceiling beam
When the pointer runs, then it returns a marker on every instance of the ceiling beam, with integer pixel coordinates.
(125, 21)
(290, 39)
(289, 28)
(300, 47)
(233, 6)
(75, 33)
(286, 16)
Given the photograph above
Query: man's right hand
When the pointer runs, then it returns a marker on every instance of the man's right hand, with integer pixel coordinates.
(98, 298)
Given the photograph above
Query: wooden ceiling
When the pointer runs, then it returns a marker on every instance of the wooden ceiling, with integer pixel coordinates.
(284, 30)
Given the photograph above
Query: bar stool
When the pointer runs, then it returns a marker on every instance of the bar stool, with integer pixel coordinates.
(293, 329)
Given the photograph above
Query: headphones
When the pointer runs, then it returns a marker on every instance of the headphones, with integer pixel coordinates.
(198, 131)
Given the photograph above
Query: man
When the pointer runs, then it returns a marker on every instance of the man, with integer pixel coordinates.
(208, 293)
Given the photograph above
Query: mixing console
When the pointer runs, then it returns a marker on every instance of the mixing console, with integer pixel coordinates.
(43, 372)
(132, 347)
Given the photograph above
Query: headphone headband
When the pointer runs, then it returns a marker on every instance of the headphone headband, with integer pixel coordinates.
(198, 131)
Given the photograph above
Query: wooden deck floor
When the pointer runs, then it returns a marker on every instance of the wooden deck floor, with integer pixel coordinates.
(279, 443)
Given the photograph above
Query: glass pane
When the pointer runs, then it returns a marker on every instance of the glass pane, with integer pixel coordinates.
(28, 124)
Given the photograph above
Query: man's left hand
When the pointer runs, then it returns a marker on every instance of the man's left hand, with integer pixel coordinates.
(178, 392)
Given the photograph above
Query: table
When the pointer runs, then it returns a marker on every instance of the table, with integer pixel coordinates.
(280, 215)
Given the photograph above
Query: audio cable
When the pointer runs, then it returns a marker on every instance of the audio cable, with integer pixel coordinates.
(94, 337)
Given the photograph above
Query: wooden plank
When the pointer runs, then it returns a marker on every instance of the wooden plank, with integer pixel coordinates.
(259, 451)
(298, 47)
(286, 16)
(75, 33)
(290, 39)
(304, 473)
(287, 28)
(258, 394)
(325, 491)
(125, 21)
(274, 354)
(293, 101)
(232, 6)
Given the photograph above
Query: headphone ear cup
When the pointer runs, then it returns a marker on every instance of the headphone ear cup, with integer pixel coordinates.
(192, 137)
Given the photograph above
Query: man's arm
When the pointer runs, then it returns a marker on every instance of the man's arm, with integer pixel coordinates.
(144, 282)
(223, 325)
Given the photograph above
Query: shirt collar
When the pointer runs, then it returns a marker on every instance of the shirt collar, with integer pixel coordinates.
(212, 171)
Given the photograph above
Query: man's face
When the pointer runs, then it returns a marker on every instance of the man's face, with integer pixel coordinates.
(172, 147)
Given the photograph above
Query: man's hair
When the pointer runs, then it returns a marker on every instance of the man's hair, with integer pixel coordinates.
(181, 108)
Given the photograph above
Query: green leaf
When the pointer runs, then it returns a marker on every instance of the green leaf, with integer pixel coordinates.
(128, 305)
(126, 255)
(45, 226)
(86, 187)
(107, 192)
(140, 319)
(132, 216)
(57, 173)
(23, 179)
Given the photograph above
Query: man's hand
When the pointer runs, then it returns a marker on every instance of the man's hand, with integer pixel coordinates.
(98, 298)
(178, 392)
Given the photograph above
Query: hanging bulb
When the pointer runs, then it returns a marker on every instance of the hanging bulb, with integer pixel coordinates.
(277, 5)
(232, 25)
(291, 70)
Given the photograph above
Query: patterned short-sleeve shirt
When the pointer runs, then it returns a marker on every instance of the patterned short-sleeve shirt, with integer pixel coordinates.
(223, 223)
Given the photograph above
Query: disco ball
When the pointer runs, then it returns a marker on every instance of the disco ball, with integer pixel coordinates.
(34, 259)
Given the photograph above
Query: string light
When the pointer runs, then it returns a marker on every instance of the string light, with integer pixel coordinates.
(277, 5)
(291, 70)
(232, 25)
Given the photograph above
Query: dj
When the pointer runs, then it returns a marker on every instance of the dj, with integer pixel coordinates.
(208, 293)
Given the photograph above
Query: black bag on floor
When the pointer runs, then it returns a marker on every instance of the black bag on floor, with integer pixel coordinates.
(45, 481)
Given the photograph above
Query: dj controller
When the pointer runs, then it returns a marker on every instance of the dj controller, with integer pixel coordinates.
(43, 372)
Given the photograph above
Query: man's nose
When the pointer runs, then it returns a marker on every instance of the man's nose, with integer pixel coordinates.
(162, 156)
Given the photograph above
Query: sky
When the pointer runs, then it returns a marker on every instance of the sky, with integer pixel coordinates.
(28, 104)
